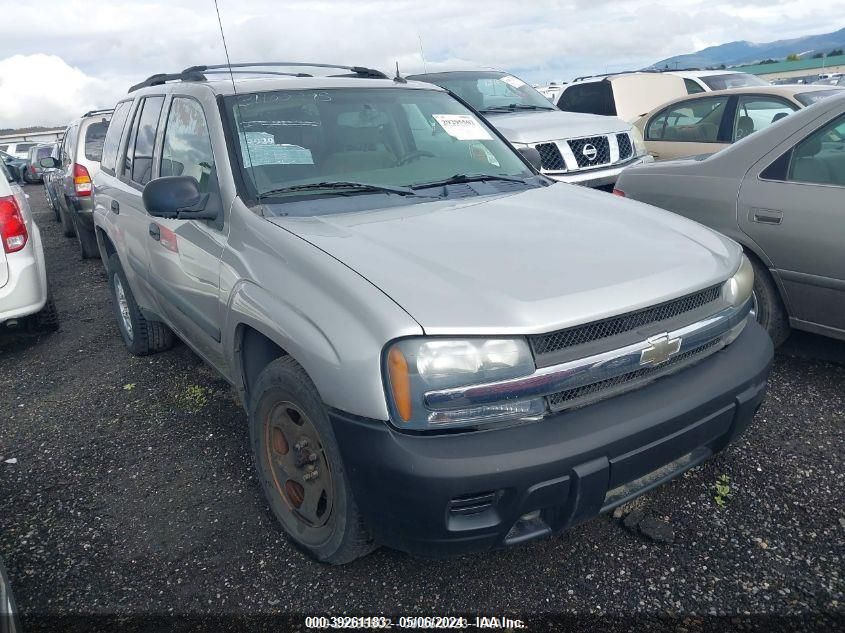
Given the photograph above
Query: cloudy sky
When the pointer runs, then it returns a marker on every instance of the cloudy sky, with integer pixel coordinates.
(61, 57)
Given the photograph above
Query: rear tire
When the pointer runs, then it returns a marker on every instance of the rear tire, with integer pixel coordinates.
(47, 320)
(67, 223)
(140, 336)
(289, 426)
(87, 242)
(771, 313)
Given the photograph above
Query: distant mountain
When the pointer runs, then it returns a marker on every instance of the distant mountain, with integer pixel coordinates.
(734, 53)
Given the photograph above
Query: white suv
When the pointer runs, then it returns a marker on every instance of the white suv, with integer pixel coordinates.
(24, 295)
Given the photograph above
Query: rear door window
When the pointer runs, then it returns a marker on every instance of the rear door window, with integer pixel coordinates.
(595, 97)
(693, 121)
(95, 134)
(820, 158)
(139, 153)
(115, 130)
(755, 113)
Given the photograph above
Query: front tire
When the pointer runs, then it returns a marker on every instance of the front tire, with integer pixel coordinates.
(771, 313)
(141, 336)
(299, 466)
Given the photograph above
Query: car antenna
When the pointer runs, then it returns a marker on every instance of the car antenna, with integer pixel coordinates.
(399, 78)
(234, 89)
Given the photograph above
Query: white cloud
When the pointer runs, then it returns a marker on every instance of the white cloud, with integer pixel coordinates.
(43, 89)
(116, 43)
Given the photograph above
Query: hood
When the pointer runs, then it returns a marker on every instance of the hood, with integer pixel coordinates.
(552, 125)
(523, 263)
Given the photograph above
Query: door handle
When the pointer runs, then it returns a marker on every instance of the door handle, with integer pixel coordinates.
(765, 216)
(115, 206)
(155, 231)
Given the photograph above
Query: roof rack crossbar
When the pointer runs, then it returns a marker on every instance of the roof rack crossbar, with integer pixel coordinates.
(360, 71)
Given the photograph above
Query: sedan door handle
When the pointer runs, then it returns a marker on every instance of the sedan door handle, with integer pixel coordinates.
(766, 216)
(115, 206)
(155, 231)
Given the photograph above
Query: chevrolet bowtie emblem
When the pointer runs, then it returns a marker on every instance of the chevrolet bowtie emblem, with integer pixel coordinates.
(661, 348)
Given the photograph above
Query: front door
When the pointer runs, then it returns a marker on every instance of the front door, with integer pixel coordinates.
(184, 255)
(792, 204)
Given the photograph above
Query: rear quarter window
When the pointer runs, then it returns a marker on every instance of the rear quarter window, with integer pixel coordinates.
(595, 97)
(94, 137)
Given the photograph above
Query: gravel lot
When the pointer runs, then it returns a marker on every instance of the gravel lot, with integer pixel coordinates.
(133, 493)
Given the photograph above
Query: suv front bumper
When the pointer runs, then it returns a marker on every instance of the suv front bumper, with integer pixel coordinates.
(450, 494)
(597, 177)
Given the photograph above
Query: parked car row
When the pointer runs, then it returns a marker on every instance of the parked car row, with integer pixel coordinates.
(441, 346)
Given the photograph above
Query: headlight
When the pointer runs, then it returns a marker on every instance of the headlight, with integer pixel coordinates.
(737, 290)
(639, 144)
(419, 365)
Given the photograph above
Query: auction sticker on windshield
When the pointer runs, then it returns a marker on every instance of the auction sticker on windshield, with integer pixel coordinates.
(513, 81)
(463, 127)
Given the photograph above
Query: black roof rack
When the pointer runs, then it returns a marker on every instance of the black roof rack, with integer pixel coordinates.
(621, 72)
(95, 112)
(198, 73)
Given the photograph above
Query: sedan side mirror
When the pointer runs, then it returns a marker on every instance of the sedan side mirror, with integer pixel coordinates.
(178, 197)
(532, 156)
(49, 162)
(14, 173)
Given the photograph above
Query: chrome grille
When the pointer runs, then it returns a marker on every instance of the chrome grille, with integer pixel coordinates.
(550, 157)
(625, 148)
(614, 386)
(601, 145)
(554, 341)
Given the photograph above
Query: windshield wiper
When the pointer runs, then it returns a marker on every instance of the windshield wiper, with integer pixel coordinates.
(360, 186)
(515, 106)
(459, 179)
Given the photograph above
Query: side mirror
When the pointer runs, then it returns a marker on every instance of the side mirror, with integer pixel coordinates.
(49, 162)
(177, 197)
(14, 173)
(532, 156)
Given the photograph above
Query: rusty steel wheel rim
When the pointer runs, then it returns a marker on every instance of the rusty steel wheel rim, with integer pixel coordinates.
(298, 464)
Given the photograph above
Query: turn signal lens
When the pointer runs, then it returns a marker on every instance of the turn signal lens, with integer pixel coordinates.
(619, 192)
(400, 383)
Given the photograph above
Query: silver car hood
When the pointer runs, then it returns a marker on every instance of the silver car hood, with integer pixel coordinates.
(523, 263)
(536, 127)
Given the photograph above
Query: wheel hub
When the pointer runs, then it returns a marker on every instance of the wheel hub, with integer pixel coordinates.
(298, 463)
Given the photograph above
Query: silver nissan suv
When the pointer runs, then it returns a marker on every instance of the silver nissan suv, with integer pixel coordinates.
(438, 349)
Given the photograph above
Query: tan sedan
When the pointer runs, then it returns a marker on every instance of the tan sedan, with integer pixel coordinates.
(707, 122)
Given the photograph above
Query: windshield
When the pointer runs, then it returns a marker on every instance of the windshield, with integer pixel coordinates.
(733, 80)
(809, 98)
(489, 92)
(392, 137)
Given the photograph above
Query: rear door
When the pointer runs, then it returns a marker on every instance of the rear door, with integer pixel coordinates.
(106, 183)
(184, 255)
(689, 128)
(133, 171)
(792, 203)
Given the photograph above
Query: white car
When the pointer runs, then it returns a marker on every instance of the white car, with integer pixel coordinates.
(712, 80)
(18, 149)
(24, 296)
